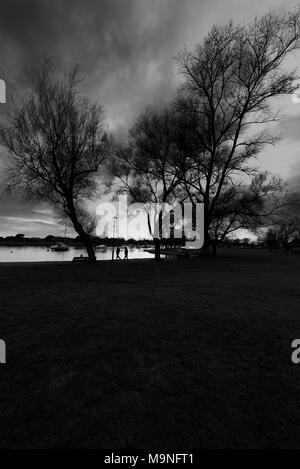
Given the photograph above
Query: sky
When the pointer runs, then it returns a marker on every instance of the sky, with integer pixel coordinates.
(126, 51)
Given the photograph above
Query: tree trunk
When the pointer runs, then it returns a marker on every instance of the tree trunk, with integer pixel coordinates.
(85, 237)
(157, 249)
(88, 244)
(207, 240)
(214, 247)
(206, 243)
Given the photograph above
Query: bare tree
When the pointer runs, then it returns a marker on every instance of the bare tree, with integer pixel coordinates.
(146, 169)
(249, 206)
(57, 142)
(230, 81)
(285, 225)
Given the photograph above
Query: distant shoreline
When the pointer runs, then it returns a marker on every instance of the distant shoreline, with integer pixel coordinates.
(72, 243)
(98, 261)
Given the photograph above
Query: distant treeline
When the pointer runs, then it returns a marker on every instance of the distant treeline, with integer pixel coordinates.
(22, 240)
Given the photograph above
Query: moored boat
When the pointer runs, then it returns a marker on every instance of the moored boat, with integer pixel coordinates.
(101, 247)
(59, 247)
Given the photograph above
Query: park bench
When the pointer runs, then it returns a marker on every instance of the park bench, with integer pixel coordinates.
(80, 259)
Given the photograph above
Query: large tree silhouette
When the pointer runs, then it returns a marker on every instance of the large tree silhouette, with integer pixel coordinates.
(57, 142)
(230, 82)
(145, 168)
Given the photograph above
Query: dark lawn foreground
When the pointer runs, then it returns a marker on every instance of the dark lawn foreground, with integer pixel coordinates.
(185, 354)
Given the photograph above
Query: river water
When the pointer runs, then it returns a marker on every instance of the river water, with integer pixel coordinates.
(44, 254)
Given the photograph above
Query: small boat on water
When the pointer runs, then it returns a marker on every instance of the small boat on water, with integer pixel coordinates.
(59, 247)
(101, 247)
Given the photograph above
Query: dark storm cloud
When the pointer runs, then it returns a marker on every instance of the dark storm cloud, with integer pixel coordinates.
(125, 47)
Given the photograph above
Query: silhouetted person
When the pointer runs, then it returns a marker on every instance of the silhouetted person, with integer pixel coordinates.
(126, 254)
(118, 253)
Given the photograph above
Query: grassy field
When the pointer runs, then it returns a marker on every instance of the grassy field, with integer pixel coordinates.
(183, 354)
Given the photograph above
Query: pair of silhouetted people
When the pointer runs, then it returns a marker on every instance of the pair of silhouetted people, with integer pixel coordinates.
(125, 254)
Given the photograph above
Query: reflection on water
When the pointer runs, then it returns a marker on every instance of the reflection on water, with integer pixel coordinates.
(39, 254)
